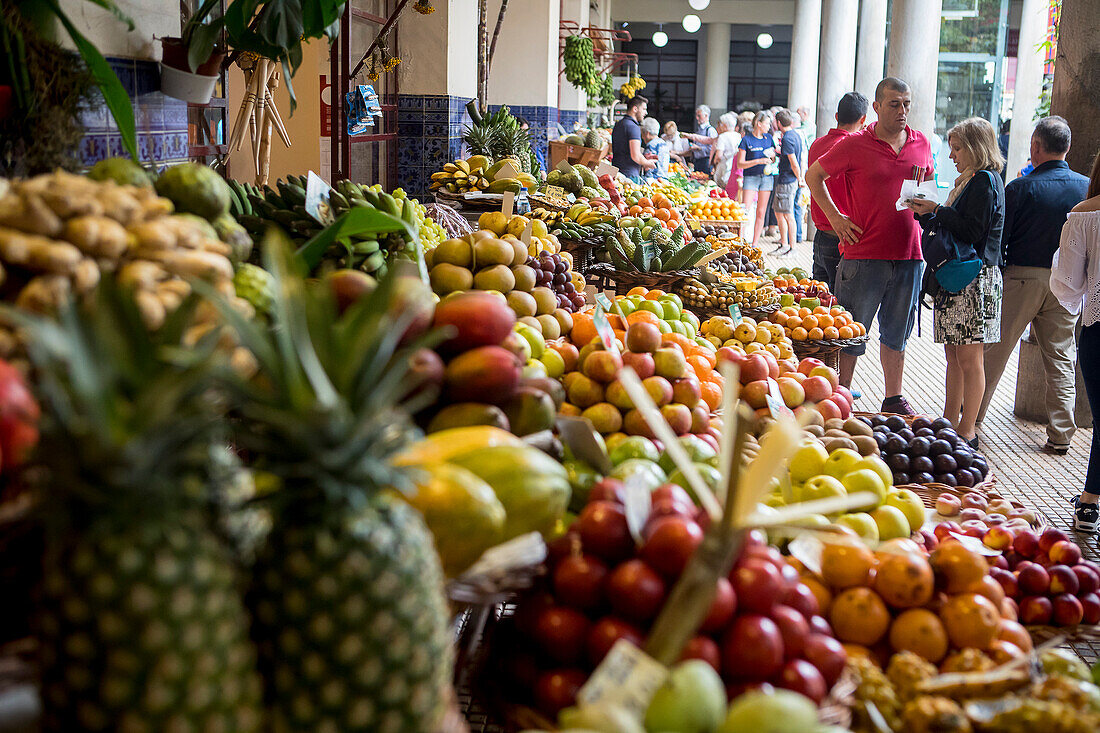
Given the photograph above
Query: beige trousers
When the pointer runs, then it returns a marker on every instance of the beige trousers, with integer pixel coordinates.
(1027, 299)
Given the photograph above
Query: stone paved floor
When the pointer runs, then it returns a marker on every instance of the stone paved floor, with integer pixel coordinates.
(1012, 445)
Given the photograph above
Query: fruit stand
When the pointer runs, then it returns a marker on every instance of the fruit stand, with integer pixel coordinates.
(306, 457)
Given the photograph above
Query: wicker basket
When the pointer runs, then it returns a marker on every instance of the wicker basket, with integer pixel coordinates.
(604, 277)
(816, 347)
(987, 489)
(583, 253)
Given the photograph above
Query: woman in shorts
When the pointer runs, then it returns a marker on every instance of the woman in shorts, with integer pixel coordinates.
(967, 320)
(754, 153)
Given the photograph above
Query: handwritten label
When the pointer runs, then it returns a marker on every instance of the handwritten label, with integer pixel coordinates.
(565, 166)
(581, 438)
(627, 677)
(506, 171)
(776, 405)
(555, 193)
(527, 549)
(637, 503)
(735, 312)
(317, 204)
(604, 329)
(508, 203)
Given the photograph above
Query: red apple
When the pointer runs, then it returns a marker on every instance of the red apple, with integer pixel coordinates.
(1065, 552)
(948, 505)
(829, 374)
(1026, 543)
(578, 581)
(670, 544)
(841, 404)
(607, 489)
(802, 599)
(604, 531)
(704, 648)
(794, 629)
(755, 393)
(975, 501)
(1007, 581)
(752, 648)
(800, 676)
(971, 514)
(974, 528)
(943, 530)
(727, 354)
(1035, 610)
(722, 607)
(1087, 580)
(817, 388)
(1049, 537)
(827, 654)
(1090, 607)
(791, 391)
(557, 689)
(806, 365)
(605, 632)
(1063, 580)
(1033, 579)
(640, 363)
(754, 368)
(847, 394)
(635, 590)
(561, 633)
(1067, 610)
(997, 538)
(758, 585)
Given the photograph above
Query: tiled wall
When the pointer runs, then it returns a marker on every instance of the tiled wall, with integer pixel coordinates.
(429, 135)
(161, 121)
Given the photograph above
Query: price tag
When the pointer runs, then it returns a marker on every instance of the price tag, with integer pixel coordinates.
(649, 251)
(776, 405)
(518, 552)
(735, 312)
(525, 237)
(508, 202)
(637, 503)
(317, 204)
(506, 171)
(556, 194)
(565, 166)
(604, 329)
(627, 677)
(605, 167)
(580, 436)
(712, 256)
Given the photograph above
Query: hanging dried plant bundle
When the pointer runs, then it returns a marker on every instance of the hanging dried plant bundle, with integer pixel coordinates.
(424, 7)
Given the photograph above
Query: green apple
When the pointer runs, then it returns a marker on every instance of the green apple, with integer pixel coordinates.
(554, 363)
(648, 473)
(663, 327)
(698, 450)
(841, 461)
(635, 446)
(627, 306)
(613, 439)
(534, 369)
(891, 523)
(877, 465)
(813, 521)
(779, 711)
(910, 505)
(532, 337)
(710, 475)
(865, 480)
(689, 317)
(692, 700)
(861, 523)
(808, 461)
(671, 308)
(653, 307)
(676, 326)
(822, 487)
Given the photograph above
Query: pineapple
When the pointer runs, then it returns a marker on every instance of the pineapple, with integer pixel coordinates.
(347, 591)
(141, 624)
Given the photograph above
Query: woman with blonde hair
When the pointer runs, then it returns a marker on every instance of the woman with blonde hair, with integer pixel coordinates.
(754, 154)
(974, 215)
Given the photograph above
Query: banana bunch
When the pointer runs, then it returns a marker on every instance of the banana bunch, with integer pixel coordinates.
(580, 65)
(606, 91)
(634, 85)
(550, 217)
(370, 253)
(459, 177)
(584, 215)
(285, 207)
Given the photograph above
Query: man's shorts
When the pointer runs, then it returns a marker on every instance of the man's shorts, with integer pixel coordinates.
(784, 197)
(758, 183)
(888, 288)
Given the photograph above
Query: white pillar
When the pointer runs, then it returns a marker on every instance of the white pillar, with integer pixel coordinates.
(914, 56)
(837, 70)
(1029, 83)
(871, 49)
(716, 79)
(805, 44)
(525, 68)
(571, 98)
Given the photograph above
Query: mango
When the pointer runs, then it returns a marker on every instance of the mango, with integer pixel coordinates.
(464, 414)
(475, 319)
(487, 374)
(530, 410)
(446, 444)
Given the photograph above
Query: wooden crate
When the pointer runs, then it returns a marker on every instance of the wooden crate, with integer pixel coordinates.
(576, 154)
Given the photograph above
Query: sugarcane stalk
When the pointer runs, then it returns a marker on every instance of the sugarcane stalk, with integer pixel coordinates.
(482, 53)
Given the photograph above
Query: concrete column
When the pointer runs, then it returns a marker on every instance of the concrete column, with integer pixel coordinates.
(525, 69)
(837, 70)
(1076, 93)
(716, 77)
(871, 49)
(805, 45)
(442, 65)
(914, 56)
(1029, 82)
(572, 98)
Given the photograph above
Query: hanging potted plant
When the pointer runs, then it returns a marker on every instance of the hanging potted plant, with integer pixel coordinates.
(190, 64)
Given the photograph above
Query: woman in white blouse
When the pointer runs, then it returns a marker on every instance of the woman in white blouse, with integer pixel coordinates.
(1075, 281)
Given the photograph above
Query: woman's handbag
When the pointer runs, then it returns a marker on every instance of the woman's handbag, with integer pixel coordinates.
(946, 261)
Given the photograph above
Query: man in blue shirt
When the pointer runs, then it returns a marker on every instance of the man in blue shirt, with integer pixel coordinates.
(626, 141)
(655, 148)
(1036, 206)
(703, 138)
(787, 184)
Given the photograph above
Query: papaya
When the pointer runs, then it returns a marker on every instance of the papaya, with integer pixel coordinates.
(446, 444)
(532, 486)
(462, 512)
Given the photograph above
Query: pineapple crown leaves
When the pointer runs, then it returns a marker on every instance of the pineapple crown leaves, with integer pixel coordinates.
(332, 399)
(128, 412)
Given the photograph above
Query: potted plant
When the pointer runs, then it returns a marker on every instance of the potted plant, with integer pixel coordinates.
(190, 64)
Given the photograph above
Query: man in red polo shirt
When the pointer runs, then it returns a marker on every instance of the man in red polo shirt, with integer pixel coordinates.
(851, 114)
(881, 267)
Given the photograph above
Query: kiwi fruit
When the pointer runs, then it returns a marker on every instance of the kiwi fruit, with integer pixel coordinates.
(834, 423)
(857, 427)
(832, 444)
(866, 445)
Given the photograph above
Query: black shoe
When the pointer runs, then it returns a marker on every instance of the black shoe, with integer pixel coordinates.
(1054, 449)
(973, 442)
(1084, 515)
(897, 405)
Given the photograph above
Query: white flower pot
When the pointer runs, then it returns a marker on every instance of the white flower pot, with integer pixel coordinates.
(184, 85)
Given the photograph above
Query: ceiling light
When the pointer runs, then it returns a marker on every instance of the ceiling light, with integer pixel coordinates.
(698, 4)
(660, 38)
(691, 23)
(764, 40)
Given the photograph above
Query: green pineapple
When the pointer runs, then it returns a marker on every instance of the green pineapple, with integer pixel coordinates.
(141, 624)
(347, 591)
(482, 140)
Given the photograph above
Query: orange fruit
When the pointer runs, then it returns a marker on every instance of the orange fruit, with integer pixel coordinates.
(858, 651)
(989, 588)
(809, 321)
(819, 309)
(779, 317)
(793, 322)
(825, 320)
(662, 214)
(645, 201)
(643, 317)
(862, 330)
(845, 332)
(638, 291)
(859, 616)
(837, 309)
(654, 294)
(957, 566)
(803, 312)
(971, 620)
(584, 329)
(634, 210)
(711, 393)
(920, 631)
(846, 564)
(904, 580)
(815, 334)
(799, 334)
(1014, 633)
(823, 595)
(830, 332)
(1004, 652)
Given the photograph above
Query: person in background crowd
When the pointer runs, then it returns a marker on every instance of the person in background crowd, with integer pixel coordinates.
(755, 151)
(540, 155)
(851, 114)
(626, 141)
(703, 139)
(788, 182)
(881, 266)
(1075, 281)
(725, 150)
(808, 131)
(654, 148)
(806, 125)
(964, 322)
(1035, 210)
(678, 144)
(1002, 144)
(771, 224)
